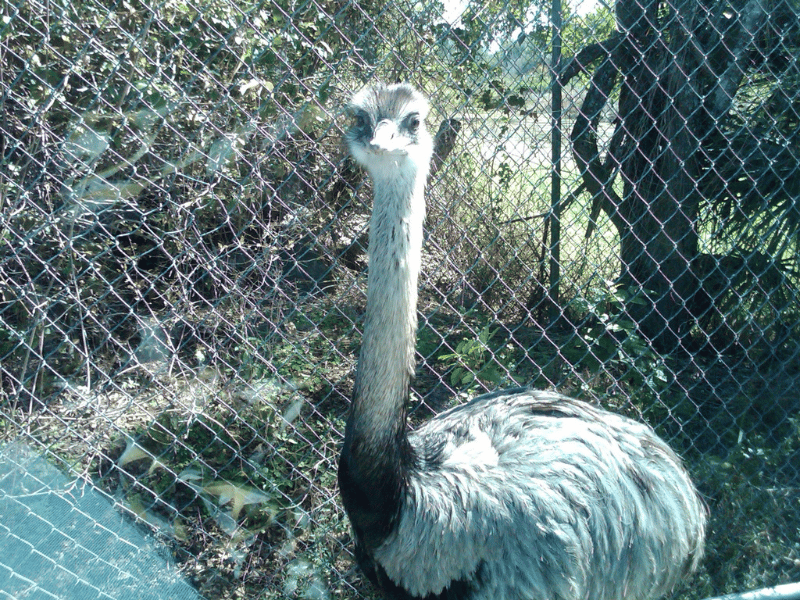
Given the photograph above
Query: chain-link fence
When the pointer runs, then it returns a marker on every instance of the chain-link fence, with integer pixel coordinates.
(613, 212)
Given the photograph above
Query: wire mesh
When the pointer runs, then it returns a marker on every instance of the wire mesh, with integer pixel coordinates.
(182, 256)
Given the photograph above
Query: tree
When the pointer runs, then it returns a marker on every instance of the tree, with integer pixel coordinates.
(707, 148)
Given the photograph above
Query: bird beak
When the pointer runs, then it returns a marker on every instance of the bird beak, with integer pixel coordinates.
(387, 139)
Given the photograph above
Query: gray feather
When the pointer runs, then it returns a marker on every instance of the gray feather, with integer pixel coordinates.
(580, 503)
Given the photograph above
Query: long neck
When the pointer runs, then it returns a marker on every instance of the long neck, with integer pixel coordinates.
(376, 453)
(386, 362)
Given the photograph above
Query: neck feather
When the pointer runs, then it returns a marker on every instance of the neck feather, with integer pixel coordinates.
(386, 364)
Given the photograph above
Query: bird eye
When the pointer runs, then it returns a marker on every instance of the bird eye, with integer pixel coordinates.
(413, 123)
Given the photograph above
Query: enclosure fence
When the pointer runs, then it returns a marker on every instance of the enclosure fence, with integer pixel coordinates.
(613, 212)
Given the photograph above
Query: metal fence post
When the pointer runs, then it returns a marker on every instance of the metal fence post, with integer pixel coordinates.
(555, 191)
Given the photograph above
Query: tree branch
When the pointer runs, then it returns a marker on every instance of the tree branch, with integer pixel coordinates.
(597, 177)
(751, 20)
(587, 56)
(444, 141)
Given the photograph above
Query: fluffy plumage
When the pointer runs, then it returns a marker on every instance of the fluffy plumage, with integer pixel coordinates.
(514, 495)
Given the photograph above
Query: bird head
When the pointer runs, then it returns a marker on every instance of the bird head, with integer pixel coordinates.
(388, 133)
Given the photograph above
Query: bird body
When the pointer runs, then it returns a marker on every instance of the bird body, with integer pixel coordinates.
(515, 495)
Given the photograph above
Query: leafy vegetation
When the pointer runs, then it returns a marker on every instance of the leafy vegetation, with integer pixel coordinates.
(181, 270)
